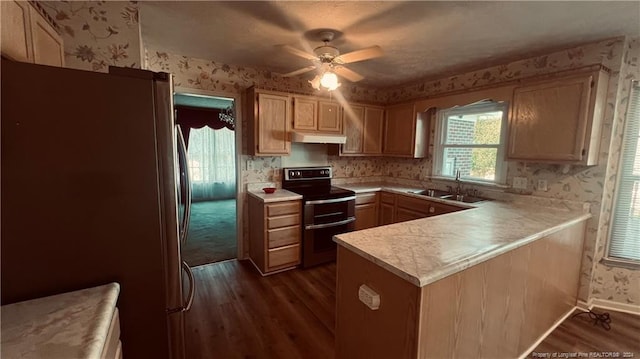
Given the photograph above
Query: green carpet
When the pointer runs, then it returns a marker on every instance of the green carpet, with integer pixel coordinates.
(212, 233)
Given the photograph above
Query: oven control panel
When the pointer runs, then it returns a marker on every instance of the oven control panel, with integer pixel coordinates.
(307, 173)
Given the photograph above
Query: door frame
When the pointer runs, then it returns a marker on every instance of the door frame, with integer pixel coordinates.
(237, 98)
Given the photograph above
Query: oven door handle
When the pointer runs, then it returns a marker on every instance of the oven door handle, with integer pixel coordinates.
(333, 200)
(332, 224)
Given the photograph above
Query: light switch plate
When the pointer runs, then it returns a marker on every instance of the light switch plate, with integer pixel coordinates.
(520, 182)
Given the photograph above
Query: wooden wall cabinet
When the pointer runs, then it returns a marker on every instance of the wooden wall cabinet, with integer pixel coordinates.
(268, 117)
(366, 210)
(559, 120)
(363, 126)
(313, 114)
(27, 36)
(274, 235)
(405, 132)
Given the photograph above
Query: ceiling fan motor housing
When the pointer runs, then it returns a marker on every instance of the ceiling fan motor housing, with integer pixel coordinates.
(326, 53)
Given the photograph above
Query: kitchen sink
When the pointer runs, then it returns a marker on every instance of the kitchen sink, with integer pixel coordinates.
(436, 193)
(465, 198)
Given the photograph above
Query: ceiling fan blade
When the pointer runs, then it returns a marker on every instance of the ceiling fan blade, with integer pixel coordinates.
(360, 55)
(348, 74)
(299, 71)
(297, 52)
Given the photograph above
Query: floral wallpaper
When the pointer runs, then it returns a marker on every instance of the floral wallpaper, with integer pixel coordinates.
(214, 76)
(575, 183)
(97, 34)
(614, 283)
(593, 185)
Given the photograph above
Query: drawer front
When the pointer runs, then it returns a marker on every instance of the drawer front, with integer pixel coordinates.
(284, 256)
(414, 204)
(283, 221)
(280, 209)
(387, 197)
(366, 198)
(283, 236)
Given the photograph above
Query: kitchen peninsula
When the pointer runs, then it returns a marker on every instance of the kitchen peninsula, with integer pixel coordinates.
(487, 281)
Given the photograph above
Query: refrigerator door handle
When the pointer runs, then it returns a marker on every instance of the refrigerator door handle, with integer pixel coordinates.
(192, 286)
(182, 152)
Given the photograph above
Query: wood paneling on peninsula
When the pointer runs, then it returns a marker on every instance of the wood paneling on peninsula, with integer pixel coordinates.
(497, 308)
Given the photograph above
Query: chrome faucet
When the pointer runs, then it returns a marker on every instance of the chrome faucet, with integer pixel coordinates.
(458, 184)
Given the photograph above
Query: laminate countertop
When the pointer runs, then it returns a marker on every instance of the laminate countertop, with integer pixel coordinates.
(68, 325)
(425, 250)
(278, 196)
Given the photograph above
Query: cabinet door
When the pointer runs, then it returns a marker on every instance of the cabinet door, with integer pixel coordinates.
(329, 116)
(305, 114)
(272, 124)
(16, 30)
(353, 117)
(48, 48)
(549, 120)
(403, 214)
(366, 216)
(387, 213)
(373, 124)
(399, 133)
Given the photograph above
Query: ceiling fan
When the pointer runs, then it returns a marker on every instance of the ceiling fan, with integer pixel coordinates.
(328, 60)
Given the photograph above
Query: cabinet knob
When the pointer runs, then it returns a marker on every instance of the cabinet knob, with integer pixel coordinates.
(432, 209)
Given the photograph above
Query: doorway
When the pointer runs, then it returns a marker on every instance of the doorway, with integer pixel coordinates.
(207, 124)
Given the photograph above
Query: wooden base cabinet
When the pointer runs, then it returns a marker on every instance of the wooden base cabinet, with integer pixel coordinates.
(387, 208)
(27, 36)
(559, 120)
(274, 234)
(396, 208)
(495, 309)
(366, 210)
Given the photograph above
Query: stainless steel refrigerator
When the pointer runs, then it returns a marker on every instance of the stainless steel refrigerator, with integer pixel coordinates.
(95, 190)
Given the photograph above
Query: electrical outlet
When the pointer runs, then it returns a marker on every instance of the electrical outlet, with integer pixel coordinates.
(542, 185)
(520, 182)
(249, 165)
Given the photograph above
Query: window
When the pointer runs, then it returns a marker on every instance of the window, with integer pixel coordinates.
(471, 139)
(624, 239)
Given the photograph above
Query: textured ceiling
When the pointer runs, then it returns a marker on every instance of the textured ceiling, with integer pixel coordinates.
(421, 39)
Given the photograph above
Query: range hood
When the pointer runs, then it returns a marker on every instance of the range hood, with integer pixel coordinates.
(317, 137)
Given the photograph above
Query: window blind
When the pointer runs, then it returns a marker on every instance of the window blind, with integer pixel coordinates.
(624, 242)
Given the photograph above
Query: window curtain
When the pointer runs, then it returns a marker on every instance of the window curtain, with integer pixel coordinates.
(210, 151)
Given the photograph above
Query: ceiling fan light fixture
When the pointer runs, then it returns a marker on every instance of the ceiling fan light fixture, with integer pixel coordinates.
(329, 81)
(315, 83)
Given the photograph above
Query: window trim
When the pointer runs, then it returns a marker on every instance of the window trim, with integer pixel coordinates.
(608, 259)
(438, 147)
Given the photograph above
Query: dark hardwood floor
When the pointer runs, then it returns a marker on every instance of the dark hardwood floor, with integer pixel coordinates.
(239, 314)
(579, 335)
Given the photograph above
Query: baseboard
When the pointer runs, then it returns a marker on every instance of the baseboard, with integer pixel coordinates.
(270, 273)
(546, 334)
(615, 306)
(584, 306)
